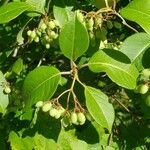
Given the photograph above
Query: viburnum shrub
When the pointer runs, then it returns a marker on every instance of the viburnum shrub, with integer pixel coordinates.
(75, 75)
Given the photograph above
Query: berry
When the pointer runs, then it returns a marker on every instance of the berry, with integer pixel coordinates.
(33, 34)
(146, 72)
(143, 88)
(53, 112)
(73, 117)
(7, 90)
(81, 118)
(51, 24)
(43, 26)
(58, 114)
(47, 46)
(46, 37)
(38, 33)
(39, 104)
(46, 107)
(52, 34)
(29, 33)
(36, 39)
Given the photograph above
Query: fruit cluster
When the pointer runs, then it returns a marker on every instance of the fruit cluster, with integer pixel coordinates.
(143, 86)
(57, 111)
(47, 32)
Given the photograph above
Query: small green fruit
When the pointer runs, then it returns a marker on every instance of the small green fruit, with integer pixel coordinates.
(52, 34)
(39, 104)
(33, 34)
(146, 72)
(58, 114)
(38, 33)
(53, 112)
(147, 100)
(46, 107)
(73, 118)
(47, 46)
(36, 39)
(7, 90)
(43, 26)
(143, 89)
(51, 25)
(81, 118)
(29, 33)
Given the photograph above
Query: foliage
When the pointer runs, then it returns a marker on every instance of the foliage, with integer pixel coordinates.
(74, 75)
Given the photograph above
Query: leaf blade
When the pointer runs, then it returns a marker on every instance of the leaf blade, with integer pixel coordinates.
(74, 39)
(138, 13)
(40, 84)
(118, 69)
(99, 107)
(12, 10)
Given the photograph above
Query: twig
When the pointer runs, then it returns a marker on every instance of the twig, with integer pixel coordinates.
(121, 104)
(106, 3)
(124, 22)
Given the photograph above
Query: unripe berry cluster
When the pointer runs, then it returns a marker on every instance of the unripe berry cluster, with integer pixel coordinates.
(143, 87)
(46, 33)
(68, 117)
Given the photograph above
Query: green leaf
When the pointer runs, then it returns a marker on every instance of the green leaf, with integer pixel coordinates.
(68, 141)
(40, 84)
(38, 5)
(17, 66)
(12, 10)
(135, 46)
(43, 143)
(62, 13)
(99, 107)
(3, 97)
(138, 11)
(74, 39)
(116, 65)
(19, 143)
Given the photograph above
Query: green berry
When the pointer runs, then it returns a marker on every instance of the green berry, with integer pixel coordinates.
(146, 72)
(47, 46)
(58, 114)
(73, 117)
(33, 34)
(7, 90)
(53, 112)
(51, 25)
(39, 104)
(81, 118)
(38, 33)
(143, 89)
(46, 107)
(29, 33)
(36, 39)
(46, 37)
(109, 24)
(147, 100)
(52, 34)
(43, 26)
